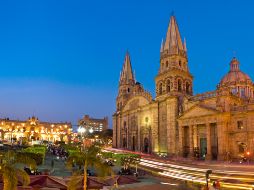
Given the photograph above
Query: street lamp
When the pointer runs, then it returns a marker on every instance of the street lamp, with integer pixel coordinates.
(83, 131)
(91, 130)
(207, 174)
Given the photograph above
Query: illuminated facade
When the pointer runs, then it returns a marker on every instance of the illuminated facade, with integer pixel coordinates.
(94, 123)
(212, 125)
(33, 129)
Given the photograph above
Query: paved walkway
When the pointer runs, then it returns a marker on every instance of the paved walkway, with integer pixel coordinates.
(151, 182)
(58, 168)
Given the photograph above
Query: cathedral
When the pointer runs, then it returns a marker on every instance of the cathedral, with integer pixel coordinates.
(213, 125)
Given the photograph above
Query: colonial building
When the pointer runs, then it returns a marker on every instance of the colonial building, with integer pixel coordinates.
(212, 125)
(33, 129)
(96, 124)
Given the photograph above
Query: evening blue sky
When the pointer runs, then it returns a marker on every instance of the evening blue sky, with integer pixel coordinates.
(61, 59)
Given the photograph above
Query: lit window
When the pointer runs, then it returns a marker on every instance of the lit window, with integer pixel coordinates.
(240, 124)
(234, 91)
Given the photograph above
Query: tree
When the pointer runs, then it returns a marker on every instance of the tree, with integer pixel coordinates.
(90, 157)
(9, 169)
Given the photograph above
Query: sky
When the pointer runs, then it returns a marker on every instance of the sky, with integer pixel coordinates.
(61, 59)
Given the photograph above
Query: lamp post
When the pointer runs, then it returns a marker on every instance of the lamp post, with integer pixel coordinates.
(207, 174)
(83, 133)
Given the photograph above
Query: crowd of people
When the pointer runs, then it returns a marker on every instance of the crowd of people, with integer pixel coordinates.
(58, 151)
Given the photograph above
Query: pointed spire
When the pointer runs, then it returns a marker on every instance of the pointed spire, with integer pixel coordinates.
(184, 45)
(162, 44)
(127, 74)
(173, 41)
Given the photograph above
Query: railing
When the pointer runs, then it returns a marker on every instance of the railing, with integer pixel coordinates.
(204, 96)
(239, 108)
(143, 93)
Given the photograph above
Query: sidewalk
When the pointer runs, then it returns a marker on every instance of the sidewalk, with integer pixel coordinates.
(59, 168)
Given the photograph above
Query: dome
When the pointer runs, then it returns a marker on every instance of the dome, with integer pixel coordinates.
(235, 75)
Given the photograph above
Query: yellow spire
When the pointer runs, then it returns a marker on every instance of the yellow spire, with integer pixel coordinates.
(127, 74)
(173, 43)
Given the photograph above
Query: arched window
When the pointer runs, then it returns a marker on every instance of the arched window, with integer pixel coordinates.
(188, 90)
(180, 63)
(160, 88)
(168, 85)
(167, 64)
(124, 125)
(242, 92)
(128, 90)
(179, 85)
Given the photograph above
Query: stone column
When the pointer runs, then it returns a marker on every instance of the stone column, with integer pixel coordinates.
(180, 146)
(222, 140)
(139, 123)
(154, 129)
(195, 134)
(191, 153)
(208, 140)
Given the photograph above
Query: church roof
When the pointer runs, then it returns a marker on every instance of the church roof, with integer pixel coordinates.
(235, 74)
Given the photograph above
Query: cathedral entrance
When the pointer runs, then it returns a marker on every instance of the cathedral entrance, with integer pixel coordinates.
(133, 143)
(146, 145)
(214, 141)
(203, 148)
(124, 143)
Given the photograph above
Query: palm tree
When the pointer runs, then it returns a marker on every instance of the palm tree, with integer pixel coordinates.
(90, 157)
(11, 172)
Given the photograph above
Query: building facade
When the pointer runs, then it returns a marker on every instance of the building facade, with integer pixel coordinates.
(95, 124)
(33, 129)
(212, 125)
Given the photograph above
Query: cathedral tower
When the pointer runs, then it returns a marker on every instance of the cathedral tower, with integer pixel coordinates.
(174, 76)
(126, 82)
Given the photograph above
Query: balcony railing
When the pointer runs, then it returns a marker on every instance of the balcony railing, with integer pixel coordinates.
(204, 96)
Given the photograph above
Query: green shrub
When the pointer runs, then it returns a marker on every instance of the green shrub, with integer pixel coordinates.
(38, 157)
(36, 152)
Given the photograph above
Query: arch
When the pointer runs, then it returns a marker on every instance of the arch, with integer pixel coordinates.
(180, 63)
(133, 143)
(179, 85)
(188, 88)
(160, 88)
(167, 64)
(168, 86)
(146, 145)
(241, 147)
(124, 143)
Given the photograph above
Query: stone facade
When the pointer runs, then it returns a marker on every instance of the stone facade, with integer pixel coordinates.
(212, 125)
(33, 129)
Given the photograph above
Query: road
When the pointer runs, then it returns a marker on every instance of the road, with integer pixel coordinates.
(230, 176)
